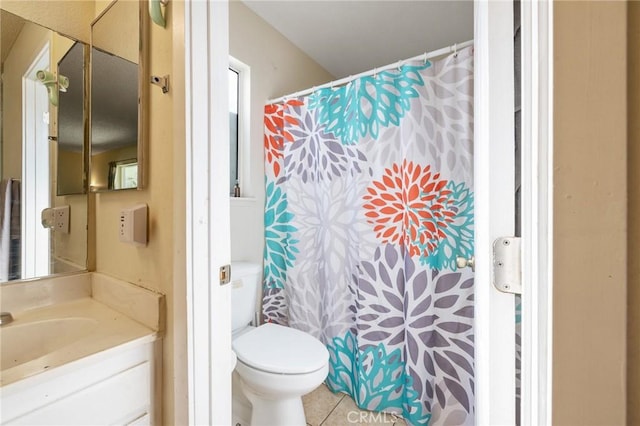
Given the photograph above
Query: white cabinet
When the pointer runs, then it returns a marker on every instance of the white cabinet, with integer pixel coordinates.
(116, 386)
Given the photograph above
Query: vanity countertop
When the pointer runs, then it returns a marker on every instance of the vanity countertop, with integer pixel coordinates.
(50, 337)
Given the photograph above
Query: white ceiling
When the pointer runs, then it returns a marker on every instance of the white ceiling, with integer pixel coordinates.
(349, 37)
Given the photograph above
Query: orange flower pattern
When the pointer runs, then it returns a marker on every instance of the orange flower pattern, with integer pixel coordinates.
(275, 133)
(410, 206)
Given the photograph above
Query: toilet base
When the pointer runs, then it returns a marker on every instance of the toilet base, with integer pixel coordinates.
(281, 412)
(240, 405)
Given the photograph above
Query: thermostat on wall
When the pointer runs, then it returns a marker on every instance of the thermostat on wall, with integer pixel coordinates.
(133, 225)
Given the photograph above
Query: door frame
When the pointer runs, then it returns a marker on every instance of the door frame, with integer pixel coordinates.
(36, 186)
(494, 205)
(537, 212)
(207, 220)
(209, 356)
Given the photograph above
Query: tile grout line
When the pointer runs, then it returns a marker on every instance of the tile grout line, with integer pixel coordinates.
(333, 409)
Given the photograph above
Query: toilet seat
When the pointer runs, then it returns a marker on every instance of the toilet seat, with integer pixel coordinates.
(277, 349)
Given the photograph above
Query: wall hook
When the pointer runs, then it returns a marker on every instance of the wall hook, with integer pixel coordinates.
(53, 84)
(157, 11)
(163, 82)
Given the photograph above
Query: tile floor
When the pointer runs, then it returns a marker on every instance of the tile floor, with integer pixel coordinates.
(324, 408)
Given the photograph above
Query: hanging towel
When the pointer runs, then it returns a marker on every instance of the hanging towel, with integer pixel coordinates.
(5, 228)
(15, 232)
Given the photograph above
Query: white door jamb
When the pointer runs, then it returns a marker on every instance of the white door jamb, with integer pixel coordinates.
(207, 211)
(537, 211)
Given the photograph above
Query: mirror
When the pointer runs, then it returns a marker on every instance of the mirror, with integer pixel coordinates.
(116, 98)
(71, 131)
(36, 138)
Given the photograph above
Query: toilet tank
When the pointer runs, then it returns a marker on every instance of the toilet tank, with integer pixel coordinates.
(246, 278)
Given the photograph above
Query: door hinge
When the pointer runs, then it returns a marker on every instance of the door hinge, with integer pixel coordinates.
(507, 266)
(225, 274)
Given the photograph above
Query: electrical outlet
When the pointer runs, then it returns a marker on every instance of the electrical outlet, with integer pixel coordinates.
(61, 219)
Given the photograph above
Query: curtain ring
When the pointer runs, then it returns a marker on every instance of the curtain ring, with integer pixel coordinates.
(375, 73)
(425, 58)
(455, 50)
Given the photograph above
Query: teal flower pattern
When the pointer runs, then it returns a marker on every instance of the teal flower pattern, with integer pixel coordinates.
(458, 234)
(280, 248)
(375, 379)
(368, 104)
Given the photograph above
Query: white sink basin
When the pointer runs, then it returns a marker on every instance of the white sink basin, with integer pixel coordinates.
(53, 336)
(24, 342)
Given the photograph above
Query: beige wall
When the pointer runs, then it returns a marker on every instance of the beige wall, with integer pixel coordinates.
(277, 68)
(124, 16)
(151, 266)
(68, 17)
(68, 171)
(589, 315)
(177, 308)
(633, 306)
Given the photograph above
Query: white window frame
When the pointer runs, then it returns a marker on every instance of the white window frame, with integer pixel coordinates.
(119, 175)
(244, 125)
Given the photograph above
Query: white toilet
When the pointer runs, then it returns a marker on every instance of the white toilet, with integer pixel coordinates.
(276, 364)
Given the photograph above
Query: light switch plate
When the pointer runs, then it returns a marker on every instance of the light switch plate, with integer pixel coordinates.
(133, 225)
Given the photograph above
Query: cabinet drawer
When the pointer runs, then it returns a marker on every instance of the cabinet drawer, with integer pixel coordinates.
(102, 403)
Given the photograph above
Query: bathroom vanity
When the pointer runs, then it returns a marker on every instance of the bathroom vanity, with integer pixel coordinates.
(82, 349)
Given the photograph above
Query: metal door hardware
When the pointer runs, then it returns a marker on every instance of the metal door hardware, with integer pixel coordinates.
(462, 262)
(225, 274)
(507, 267)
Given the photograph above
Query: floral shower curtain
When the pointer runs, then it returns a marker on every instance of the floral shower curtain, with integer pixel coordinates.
(369, 200)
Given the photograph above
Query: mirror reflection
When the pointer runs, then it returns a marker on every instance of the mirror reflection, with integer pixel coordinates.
(71, 133)
(115, 121)
(30, 151)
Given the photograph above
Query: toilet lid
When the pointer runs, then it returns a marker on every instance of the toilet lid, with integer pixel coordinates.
(279, 349)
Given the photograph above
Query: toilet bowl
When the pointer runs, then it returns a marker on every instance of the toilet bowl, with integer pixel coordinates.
(276, 365)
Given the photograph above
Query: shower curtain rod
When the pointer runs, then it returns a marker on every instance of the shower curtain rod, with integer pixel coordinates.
(425, 56)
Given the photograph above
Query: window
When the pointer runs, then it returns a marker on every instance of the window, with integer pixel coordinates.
(239, 127)
(123, 174)
(234, 179)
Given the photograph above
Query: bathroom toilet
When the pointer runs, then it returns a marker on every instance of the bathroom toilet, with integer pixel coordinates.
(276, 365)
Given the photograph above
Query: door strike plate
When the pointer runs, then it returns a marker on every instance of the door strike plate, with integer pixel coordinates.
(507, 267)
(225, 274)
